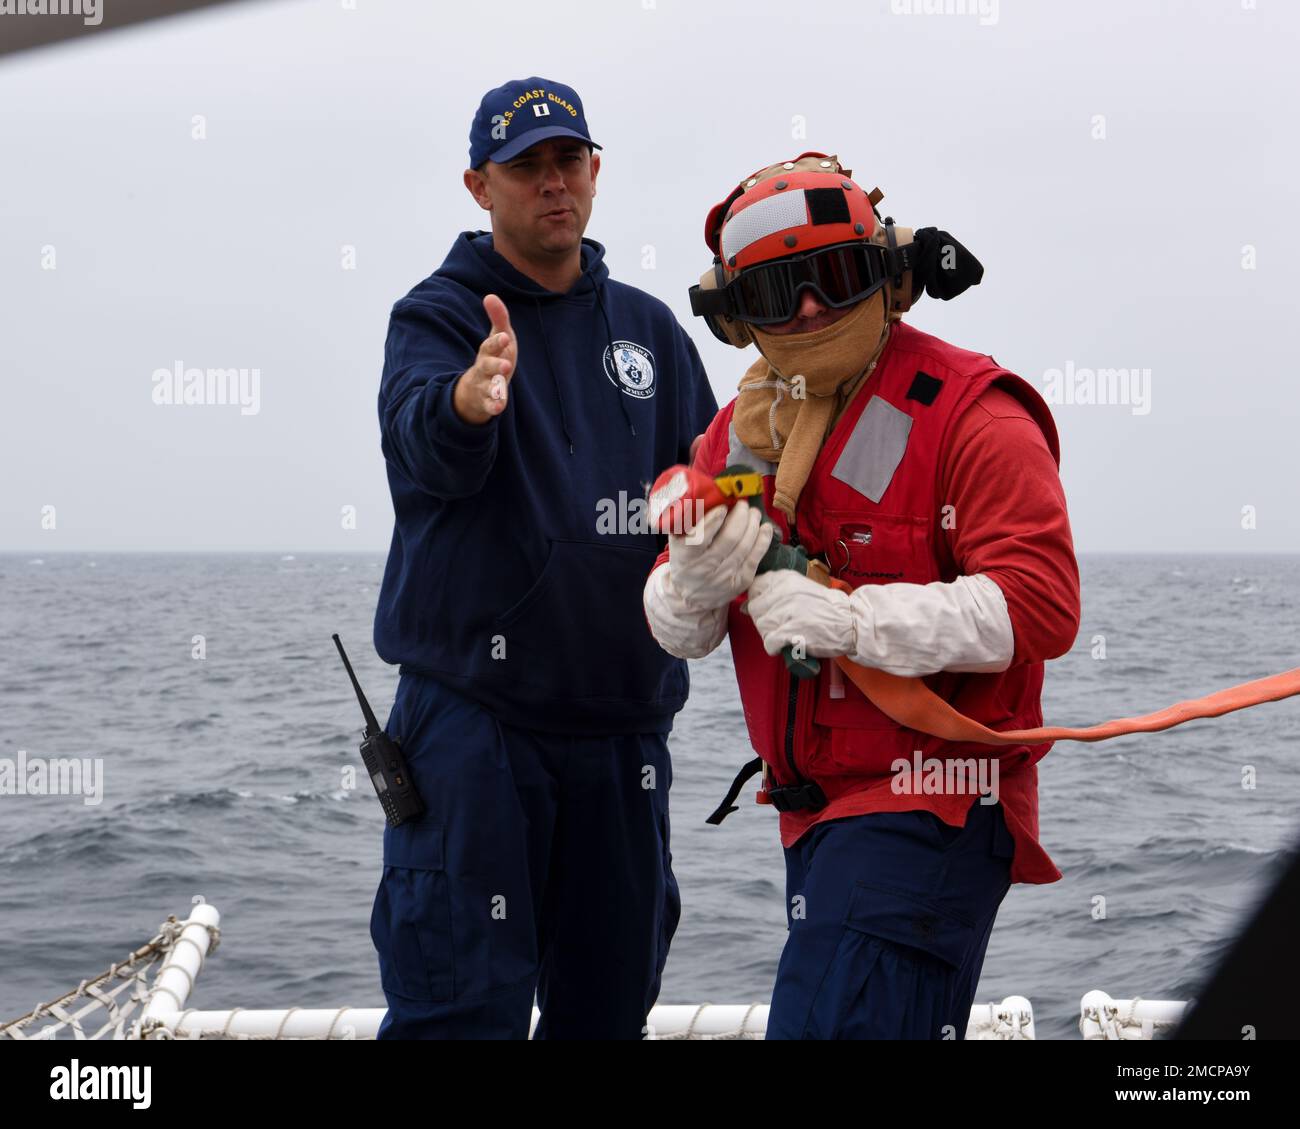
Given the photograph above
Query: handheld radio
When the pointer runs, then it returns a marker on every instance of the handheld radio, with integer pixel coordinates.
(384, 762)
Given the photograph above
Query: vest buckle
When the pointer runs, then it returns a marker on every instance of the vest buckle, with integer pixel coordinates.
(807, 796)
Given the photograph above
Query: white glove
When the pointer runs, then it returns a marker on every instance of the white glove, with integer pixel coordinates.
(905, 629)
(787, 607)
(680, 631)
(715, 562)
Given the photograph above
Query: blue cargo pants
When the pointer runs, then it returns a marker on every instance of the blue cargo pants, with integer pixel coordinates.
(889, 918)
(541, 865)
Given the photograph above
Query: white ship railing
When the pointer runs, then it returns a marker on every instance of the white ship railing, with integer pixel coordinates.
(181, 947)
(1100, 1017)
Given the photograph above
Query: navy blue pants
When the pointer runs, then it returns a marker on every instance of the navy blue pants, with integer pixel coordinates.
(889, 919)
(541, 865)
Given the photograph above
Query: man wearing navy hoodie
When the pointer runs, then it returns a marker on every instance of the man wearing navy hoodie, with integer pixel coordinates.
(527, 399)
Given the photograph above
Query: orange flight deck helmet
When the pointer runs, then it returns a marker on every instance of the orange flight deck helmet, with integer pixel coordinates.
(801, 224)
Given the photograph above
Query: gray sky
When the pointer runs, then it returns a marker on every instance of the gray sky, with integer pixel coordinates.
(330, 126)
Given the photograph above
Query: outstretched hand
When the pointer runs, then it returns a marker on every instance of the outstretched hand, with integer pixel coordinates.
(483, 389)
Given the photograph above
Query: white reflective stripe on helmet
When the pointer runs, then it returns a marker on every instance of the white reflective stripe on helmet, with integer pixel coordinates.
(763, 218)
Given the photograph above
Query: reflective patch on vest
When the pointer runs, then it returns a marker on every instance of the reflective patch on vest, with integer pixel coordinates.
(874, 450)
(737, 452)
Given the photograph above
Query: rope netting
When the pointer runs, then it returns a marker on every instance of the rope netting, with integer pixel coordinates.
(114, 994)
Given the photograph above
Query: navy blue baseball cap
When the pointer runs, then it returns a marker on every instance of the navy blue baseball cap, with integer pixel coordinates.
(522, 113)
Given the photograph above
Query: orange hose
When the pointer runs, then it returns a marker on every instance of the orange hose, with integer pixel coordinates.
(913, 705)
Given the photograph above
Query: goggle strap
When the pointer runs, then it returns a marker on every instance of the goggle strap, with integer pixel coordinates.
(707, 303)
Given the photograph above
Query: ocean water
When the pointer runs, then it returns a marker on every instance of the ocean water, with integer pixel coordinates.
(223, 780)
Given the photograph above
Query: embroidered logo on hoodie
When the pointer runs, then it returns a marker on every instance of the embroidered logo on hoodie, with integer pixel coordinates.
(631, 368)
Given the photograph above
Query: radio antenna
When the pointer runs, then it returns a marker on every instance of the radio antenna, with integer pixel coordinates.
(372, 726)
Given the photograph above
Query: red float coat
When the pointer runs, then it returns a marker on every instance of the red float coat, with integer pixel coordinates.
(944, 464)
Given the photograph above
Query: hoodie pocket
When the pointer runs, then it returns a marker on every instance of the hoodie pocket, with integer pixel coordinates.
(580, 630)
(539, 586)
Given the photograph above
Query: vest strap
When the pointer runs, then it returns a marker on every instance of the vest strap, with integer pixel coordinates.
(749, 770)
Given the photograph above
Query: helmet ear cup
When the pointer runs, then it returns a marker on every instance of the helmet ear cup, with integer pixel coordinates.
(894, 240)
(724, 328)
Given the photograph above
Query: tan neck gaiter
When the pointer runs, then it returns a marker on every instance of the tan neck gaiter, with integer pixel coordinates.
(785, 419)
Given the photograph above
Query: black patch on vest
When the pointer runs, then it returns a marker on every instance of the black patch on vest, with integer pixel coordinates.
(827, 205)
(924, 387)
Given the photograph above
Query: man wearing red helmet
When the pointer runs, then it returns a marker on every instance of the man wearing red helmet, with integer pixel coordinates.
(923, 480)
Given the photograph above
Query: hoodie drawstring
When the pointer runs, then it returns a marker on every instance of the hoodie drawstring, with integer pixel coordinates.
(555, 380)
(613, 359)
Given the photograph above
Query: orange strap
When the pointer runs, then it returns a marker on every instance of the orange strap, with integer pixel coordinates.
(913, 705)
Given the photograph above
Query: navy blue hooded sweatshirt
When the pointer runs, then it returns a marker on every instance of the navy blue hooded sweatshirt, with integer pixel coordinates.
(519, 551)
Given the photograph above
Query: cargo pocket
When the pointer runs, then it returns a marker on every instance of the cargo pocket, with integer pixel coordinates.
(410, 926)
(891, 969)
(905, 920)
